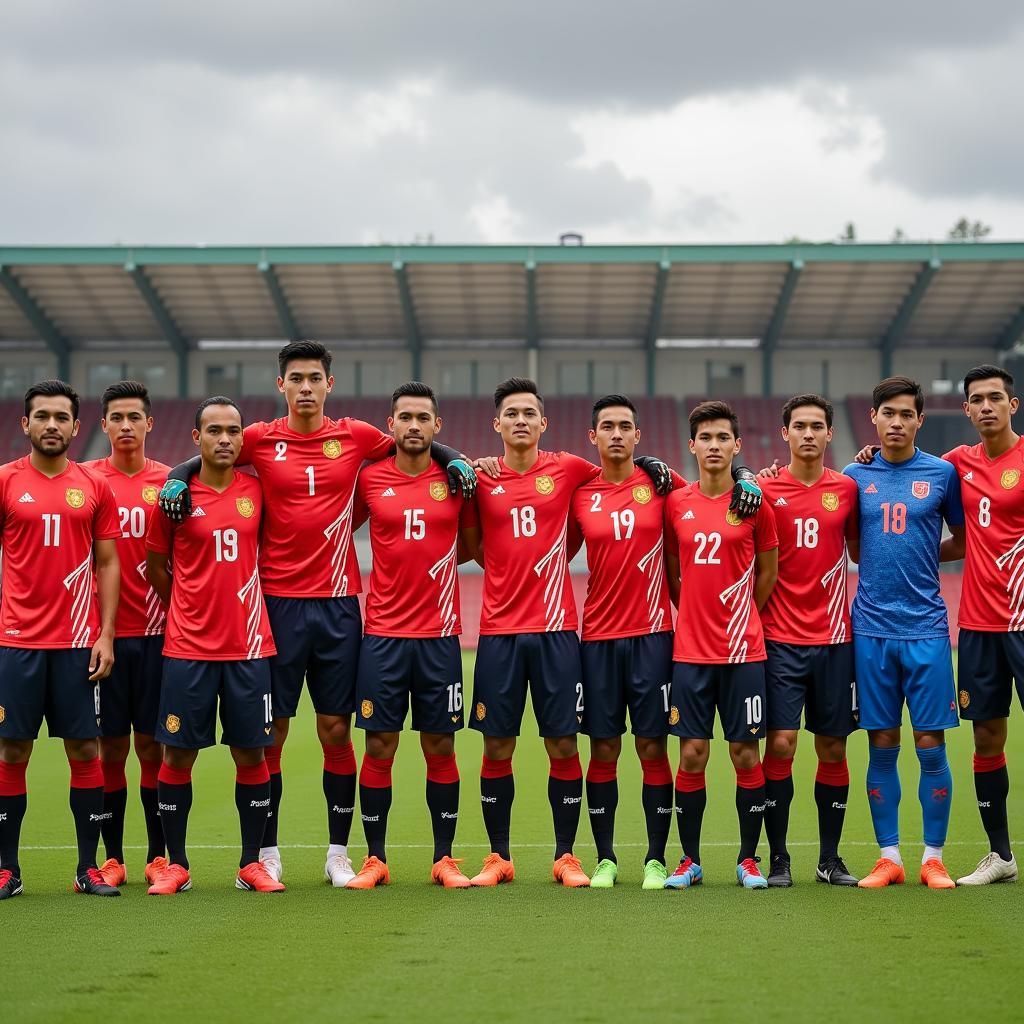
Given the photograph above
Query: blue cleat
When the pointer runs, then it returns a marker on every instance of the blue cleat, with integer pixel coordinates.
(686, 875)
(748, 874)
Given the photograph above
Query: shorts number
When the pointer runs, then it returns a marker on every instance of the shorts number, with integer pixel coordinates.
(806, 533)
(666, 689)
(312, 480)
(894, 517)
(415, 526)
(226, 544)
(454, 697)
(133, 522)
(753, 709)
(623, 523)
(579, 697)
(985, 512)
(268, 716)
(707, 549)
(51, 529)
(280, 450)
(853, 694)
(524, 521)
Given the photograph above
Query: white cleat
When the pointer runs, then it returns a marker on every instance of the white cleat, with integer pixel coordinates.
(339, 871)
(271, 860)
(991, 869)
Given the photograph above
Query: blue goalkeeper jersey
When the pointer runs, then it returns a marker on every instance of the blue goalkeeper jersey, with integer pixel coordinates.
(902, 505)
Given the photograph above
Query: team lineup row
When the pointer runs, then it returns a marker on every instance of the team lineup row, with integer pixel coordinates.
(134, 605)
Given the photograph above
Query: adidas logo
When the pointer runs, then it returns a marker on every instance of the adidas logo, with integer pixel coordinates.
(498, 490)
(871, 489)
(689, 514)
(26, 498)
(197, 512)
(969, 475)
(781, 503)
(389, 493)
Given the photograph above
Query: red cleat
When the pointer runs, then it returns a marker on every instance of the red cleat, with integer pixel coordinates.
(446, 872)
(374, 872)
(495, 871)
(113, 872)
(170, 879)
(154, 867)
(568, 870)
(255, 877)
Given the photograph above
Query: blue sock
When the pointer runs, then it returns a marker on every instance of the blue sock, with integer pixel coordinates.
(935, 791)
(884, 794)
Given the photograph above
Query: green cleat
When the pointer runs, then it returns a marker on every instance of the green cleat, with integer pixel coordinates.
(655, 874)
(604, 875)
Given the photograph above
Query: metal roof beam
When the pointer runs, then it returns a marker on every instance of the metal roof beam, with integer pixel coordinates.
(532, 321)
(654, 324)
(1013, 334)
(41, 323)
(284, 313)
(898, 328)
(413, 337)
(161, 314)
(773, 331)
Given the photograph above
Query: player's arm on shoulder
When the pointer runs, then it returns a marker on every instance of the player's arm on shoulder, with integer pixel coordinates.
(108, 587)
(659, 471)
(175, 496)
(954, 547)
(373, 443)
(767, 569)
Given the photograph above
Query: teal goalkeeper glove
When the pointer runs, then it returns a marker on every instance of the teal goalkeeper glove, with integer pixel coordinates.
(746, 495)
(461, 478)
(176, 500)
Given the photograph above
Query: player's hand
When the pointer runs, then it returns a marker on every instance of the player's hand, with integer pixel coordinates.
(461, 478)
(746, 496)
(867, 453)
(658, 471)
(176, 500)
(101, 661)
(488, 464)
(769, 471)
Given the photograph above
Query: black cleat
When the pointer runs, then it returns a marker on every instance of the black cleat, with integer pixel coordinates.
(832, 871)
(92, 884)
(10, 884)
(780, 876)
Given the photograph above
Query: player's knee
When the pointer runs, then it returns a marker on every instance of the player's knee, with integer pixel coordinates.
(177, 757)
(114, 749)
(381, 744)
(649, 749)
(830, 749)
(437, 744)
(560, 746)
(334, 730)
(990, 738)
(884, 738)
(281, 731)
(606, 750)
(146, 748)
(247, 756)
(499, 748)
(15, 751)
(82, 750)
(929, 740)
(781, 745)
(744, 755)
(693, 755)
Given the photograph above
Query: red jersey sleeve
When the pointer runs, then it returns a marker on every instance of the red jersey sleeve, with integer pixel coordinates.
(250, 439)
(159, 536)
(578, 471)
(373, 443)
(106, 524)
(766, 535)
(677, 480)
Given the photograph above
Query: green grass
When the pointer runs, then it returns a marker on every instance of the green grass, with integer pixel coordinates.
(529, 950)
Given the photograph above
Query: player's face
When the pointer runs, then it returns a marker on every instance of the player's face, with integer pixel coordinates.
(715, 445)
(808, 435)
(897, 421)
(616, 435)
(305, 386)
(414, 424)
(520, 422)
(220, 436)
(50, 425)
(126, 424)
(990, 407)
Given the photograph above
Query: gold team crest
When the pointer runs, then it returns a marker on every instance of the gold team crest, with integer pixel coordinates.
(149, 495)
(3, 714)
(173, 724)
(732, 518)
(332, 448)
(830, 501)
(75, 497)
(245, 507)
(544, 485)
(1009, 479)
(481, 711)
(642, 494)
(366, 709)
(673, 716)
(438, 490)
(965, 699)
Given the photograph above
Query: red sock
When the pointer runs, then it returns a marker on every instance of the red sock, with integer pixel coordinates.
(114, 777)
(149, 772)
(833, 773)
(750, 778)
(273, 757)
(174, 776)
(565, 768)
(12, 778)
(376, 772)
(441, 768)
(690, 782)
(86, 774)
(339, 760)
(776, 768)
(496, 768)
(252, 774)
(602, 771)
(989, 764)
(656, 771)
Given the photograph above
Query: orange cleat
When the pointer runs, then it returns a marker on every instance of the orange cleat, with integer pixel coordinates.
(255, 877)
(495, 871)
(935, 875)
(154, 867)
(569, 872)
(885, 872)
(170, 879)
(113, 872)
(374, 872)
(446, 872)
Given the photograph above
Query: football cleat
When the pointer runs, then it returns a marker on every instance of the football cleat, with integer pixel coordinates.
(169, 879)
(935, 875)
(339, 871)
(605, 874)
(374, 872)
(781, 875)
(655, 874)
(991, 868)
(748, 874)
(273, 864)
(495, 871)
(255, 877)
(685, 876)
(10, 884)
(91, 883)
(832, 871)
(885, 872)
(154, 867)
(568, 870)
(447, 872)
(113, 872)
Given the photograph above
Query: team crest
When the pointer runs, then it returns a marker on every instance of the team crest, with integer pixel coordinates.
(673, 716)
(75, 497)
(544, 485)
(245, 507)
(921, 489)
(438, 490)
(3, 714)
(149, 495)
(366, 709)
(732, 518)
(173, 724)
(1009, 479)
(481, 711)
(332, 448)
(965, 699)
(830, 501)
(642, 494)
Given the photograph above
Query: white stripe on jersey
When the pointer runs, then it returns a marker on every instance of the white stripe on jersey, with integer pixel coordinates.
(1014, 558)
(340, 532)
(652, 565)
(834, 582)
(81, 601)
(447, 568)
(739, 598)
(553, 567)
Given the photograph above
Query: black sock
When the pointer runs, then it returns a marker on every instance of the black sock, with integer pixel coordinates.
(175, 803)
(112, 826)
(691, 799)
(86, 801)
(750, 801)
(602, 802)
(274, 813)
(12, 813)
(497, 791)
(375, 803)
(831, 794)
(252, 800)
(339, 791)
(154, 830)
(443, 804)
(778, 792)
(656, 798)
(992, 784)
(565, 794)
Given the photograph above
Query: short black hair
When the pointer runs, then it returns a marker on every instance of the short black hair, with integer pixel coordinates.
(809, 399)
(985, 372)
(216, 400)
(517, 386)
(707, 411)
(610, 400)
(414, 389)
(304, 350)
(52, 389)
(127, 389)
(893, 386)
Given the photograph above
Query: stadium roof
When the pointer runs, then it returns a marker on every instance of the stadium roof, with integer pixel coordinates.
(430, 296)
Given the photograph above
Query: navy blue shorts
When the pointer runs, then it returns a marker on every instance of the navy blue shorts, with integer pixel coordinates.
(51, 684)
(736, 691)
(546, 663)
(190, 694)
(395, 670)
(632, 672)
(130, 695)
(317, 639)
(817, 681)
(989, 666)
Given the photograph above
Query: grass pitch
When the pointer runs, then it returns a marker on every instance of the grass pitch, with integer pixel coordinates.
(531, 950)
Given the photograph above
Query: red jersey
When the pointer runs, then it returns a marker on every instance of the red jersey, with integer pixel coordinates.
(47, 527)
(523, 518)
(139, 611)
(307, 547)
(717, 623)
(623, 526)
(992, 599)
(414, 537)
(217, 612)
(808, 605)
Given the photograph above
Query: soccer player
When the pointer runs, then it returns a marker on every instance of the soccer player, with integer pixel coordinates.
(307, 463)
(722, 569)
(901, 635)
(808, 639)
(217, 647)
(991, 654)
(410, 649)
(58, 530)
(131, 693)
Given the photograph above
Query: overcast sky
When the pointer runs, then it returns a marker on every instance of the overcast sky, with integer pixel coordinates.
(326, 121)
